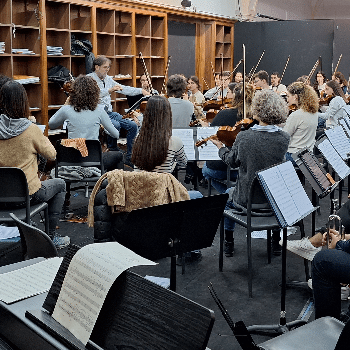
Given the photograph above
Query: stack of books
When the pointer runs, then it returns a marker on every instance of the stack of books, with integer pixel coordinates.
(26, 79)
(23, 51)
(54, 51)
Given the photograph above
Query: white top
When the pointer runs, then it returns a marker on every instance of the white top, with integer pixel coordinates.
(334, 112)
(280, 88)
(176, 155)
(214, 91)
(301, 126)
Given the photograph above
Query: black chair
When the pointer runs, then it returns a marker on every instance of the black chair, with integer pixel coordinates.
(35, 243)
(14, 197)
(69, 156)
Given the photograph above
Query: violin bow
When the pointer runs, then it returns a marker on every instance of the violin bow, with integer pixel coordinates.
(165, 74)
(244, 83)
(212, 69)
(285, 67)
(222, 78)
(255, 68)
(206, 84)
(146, 72)
(240, 61)
(313, 70)
(337, 66)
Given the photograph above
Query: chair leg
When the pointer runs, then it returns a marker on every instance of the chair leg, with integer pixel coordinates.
(86, 190)
(46, 216)
(306, 262)
(269, 246)
(250, 263)
(67, 198)
(221, 245)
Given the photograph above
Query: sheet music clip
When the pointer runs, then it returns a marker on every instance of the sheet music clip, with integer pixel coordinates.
(321, 181)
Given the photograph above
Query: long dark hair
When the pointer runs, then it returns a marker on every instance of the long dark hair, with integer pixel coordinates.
(14, 100)
(337, 90)
(85, 94)
(150, 148)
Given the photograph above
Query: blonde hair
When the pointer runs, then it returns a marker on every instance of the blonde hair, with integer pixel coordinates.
(307, 96)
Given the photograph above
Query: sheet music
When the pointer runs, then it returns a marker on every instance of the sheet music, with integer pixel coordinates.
(334, 159)
(287, 191)
(28, 281)
(208, 151)
(345, 126)
(186, 135)
(339, 141)
(90, 275)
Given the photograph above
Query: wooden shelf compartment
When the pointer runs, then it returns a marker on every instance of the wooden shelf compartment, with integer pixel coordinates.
(227, 34)
(105, 44)
(157, 47)
(79, 36)
(219, 49)
(157, 66)
(157, 27)
(80, 18)
(57, 15)
(123, 66)
(23, 12)
(123, 45)
(219, 33)
(139, 66)
(6, 65)
(143, 25)
(227, 64)
(120, 106)
(27, 39)
(56, 96)
(34, 95)
(77, 65)
(5, 35)
(59, 38)
(227, 50)
(143, 45)
(5, 12)
(26, 65)
(105, 21)
(53, 61)
(157, 84)
(123, 23)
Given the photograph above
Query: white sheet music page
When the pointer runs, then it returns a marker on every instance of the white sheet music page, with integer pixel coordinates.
(339, 141)
(208, 151)
(186, 136)
(345, 126)
(28, 281)
(89, 277)
(334, 159)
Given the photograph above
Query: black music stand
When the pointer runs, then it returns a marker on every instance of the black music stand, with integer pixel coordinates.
(170, 229)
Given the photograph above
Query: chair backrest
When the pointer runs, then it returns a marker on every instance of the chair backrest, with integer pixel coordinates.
(37, 243)
(14, 187)
(69, 156)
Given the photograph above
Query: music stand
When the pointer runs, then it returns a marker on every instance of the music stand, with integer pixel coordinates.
(170, 229)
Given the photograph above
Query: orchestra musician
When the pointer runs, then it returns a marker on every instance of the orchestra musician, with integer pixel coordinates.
(20, 142)
(340, 79)
(217, 169)
(181, 109)
(276, 86)
(84, 117)
(195, 96)
(301, 124)
(107, 85)
(257, 148)
(335, 109)
(261, 80)
(237, 77)
(320, 82)
(145, 85)
(221, 82)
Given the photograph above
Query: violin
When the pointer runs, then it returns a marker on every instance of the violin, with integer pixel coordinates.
(141, 109)
(292, 108)
(67, 87)
(227, 134)
(216, 104)
(326, 100)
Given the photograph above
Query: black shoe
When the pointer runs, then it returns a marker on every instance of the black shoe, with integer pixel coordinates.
(229, 249)
(196, 256)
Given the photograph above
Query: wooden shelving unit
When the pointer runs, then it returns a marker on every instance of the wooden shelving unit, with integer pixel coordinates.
(118, 29)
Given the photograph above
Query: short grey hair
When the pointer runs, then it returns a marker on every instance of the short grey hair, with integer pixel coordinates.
(270, 107)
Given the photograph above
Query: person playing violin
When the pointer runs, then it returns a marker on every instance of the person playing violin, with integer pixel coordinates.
(336, 106)
(301, 124)
(195, 96)
(276, 85)
(340, 79)
(221, 82)
(257, 148)
(217, 169)
(261, 80)
(237, 77)
(320, 82)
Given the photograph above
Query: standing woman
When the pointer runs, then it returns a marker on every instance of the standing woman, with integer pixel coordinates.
(335, 109)
(196, 97)
(84, 117)
(20, 142)
(301, 125)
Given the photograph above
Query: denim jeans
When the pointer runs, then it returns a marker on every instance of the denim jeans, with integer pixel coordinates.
(127, 124)
(195, 194)
(215, 175)
(330, 267)
(112, 160)
(289, 157)
(53, 192)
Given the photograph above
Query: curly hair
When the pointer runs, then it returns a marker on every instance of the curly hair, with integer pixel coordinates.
(341, 78)
(176, 85)
(269, 107)
(237, 89)
(307, 96)
(14, 100)
(85, 94)
(151, 146)
(337, 90)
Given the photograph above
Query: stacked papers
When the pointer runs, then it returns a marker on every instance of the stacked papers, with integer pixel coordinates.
(122, 76)
(54, 50)
(23, 51)
(26, 79)
(2, 47)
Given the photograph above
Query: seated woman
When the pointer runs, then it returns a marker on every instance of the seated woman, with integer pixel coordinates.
(21, 142)
(301, 124)
(335, 109)
(216, 169)
(84, 117)
(196, 97)
(257, 148)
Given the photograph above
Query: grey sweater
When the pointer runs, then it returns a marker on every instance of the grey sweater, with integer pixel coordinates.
(253, 151)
